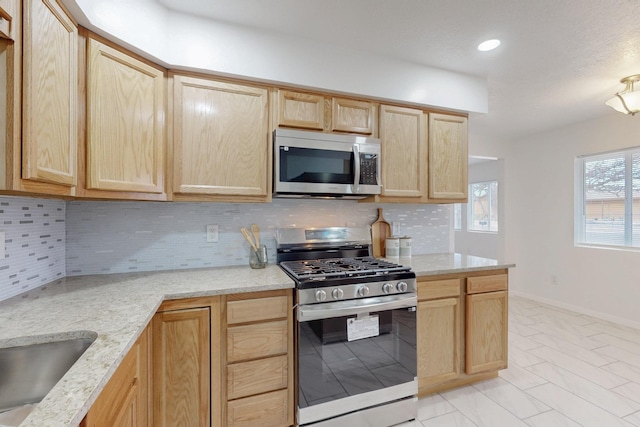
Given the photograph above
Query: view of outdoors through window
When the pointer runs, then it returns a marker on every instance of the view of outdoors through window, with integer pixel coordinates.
(611, 199)
(483, 206)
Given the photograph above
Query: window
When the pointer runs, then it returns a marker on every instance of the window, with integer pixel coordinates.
(483, 206)
(608, 199)
(457, 216)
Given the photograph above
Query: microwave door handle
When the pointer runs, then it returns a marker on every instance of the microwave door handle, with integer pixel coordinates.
(356, 169)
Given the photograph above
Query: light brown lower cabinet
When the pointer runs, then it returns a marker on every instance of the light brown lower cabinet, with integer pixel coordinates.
(462, 329)
(486, 334)
(259, 365)
(125, 400)
(224, 361)
(186, 363)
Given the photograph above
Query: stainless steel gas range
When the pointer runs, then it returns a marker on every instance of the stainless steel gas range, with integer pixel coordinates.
(355, 329)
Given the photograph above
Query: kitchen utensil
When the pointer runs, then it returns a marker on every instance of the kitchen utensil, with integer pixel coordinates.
(248, 238)
(380, 230)
(256, 233)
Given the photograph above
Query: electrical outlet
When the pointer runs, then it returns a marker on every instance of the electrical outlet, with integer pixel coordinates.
(395, 228)
(212, 233)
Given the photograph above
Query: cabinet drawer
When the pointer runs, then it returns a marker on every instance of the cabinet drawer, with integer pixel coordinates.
(255, 341)
(264, 410)
(438, 289)
(497, 282)
(253, 310)
(259, 376)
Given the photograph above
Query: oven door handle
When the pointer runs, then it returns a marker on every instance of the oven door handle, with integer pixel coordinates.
(329, 310)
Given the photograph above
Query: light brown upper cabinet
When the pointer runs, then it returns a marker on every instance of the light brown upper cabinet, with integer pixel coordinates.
(8, 10)
(324, 113)
(50, 94)
(448, 158)
(349, 115)
(301, 110)
(125, 138)
(403, 139)
(221, 141)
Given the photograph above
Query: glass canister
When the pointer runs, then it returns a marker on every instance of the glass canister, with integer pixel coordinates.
(258, 258)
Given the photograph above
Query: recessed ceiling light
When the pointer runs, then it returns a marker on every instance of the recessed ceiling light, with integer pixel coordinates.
(488, 45)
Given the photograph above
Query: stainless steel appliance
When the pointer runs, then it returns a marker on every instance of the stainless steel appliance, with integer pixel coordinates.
(310, 164)
(355, 329)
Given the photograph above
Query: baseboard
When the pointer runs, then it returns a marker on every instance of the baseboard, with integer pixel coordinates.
(598, 315)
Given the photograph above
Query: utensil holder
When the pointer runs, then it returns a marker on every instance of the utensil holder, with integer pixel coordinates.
(258, 258)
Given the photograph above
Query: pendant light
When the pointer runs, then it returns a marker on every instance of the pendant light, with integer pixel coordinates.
(627, 101)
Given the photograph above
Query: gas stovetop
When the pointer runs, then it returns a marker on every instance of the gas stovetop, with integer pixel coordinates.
(336, 261)
(337, 268)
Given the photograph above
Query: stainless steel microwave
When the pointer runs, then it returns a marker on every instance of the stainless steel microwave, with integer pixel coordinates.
(308, 164)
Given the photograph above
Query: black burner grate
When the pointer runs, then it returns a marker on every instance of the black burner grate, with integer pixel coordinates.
(320, 269)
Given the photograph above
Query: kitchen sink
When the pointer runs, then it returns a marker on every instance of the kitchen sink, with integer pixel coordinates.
(28, 372)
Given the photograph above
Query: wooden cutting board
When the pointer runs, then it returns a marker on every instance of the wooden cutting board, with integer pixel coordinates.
(380, 230)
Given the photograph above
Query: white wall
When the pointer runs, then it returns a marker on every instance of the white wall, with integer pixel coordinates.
(186, 42)
(540, 221)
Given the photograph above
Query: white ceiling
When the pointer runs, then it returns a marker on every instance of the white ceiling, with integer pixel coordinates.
(559, 61)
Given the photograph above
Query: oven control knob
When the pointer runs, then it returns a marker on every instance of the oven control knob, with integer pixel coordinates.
(387, 288)
(363, 291)
(402, 287)
(337, 293)
(321, 295)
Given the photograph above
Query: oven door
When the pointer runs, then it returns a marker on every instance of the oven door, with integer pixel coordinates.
(355, 356)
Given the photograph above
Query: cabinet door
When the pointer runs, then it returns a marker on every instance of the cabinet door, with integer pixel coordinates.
(438, 341)
(7, 13)
(349, 115)
(125, 122)
(49, 94)
(181, 368)
(221, 138)
(301, 110)
(125, 399)
(448, 158)
(404, 152)
(486, 332)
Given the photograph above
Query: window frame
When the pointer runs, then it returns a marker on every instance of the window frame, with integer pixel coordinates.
(580, 200)
(470, 219)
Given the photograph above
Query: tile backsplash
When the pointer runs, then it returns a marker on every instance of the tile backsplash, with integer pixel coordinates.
(47, 239)
(114, 237)
(34, 246)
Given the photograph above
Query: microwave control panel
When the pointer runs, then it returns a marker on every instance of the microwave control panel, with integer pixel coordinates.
(368, 169)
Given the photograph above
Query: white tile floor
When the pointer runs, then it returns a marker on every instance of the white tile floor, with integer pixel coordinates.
(565, 369)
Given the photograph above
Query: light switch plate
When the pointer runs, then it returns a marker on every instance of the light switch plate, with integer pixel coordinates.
(212, 233)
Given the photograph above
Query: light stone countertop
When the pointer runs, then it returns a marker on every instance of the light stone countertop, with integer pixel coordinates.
(117, 307)
(448, 263)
